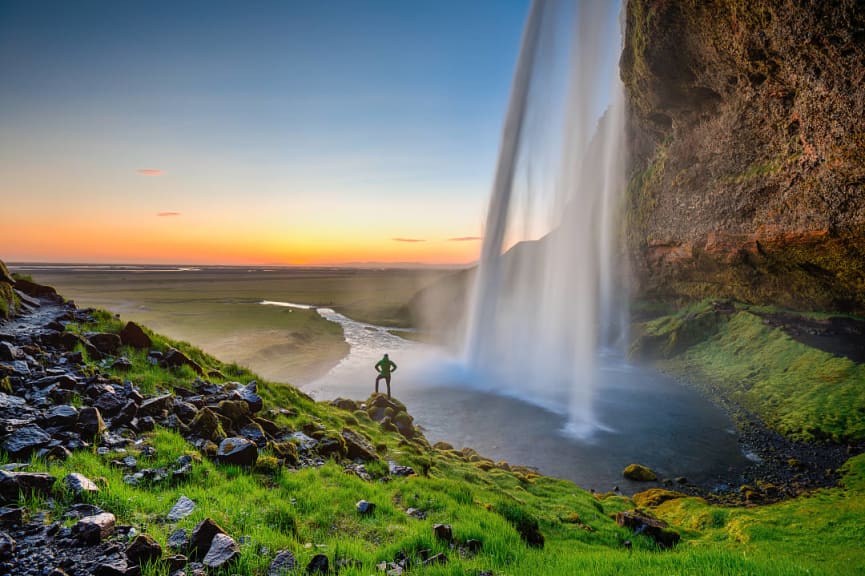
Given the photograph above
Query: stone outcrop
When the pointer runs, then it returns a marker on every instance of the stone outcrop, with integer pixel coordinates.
(748, 151)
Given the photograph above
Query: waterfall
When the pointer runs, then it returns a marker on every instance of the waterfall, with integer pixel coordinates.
(550, 288)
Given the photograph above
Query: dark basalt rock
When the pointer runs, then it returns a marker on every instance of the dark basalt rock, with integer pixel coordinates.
(202, 536)
(223, 549)
(318, 565)
(104, 342)
(237, 451)
(143, 550)
(284, 563)
(205, 424)
(364, 508)
(443, 532)
(79, 484)
(94, 529)
(90, 422)
(63, 416)
(178, 540)
(357, 446)
(656, 529)
(25, 440)
(175, 358)
(249, 395)
(156, 405)
(132, 335)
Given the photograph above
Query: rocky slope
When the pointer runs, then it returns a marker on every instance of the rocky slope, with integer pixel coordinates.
(748, 174)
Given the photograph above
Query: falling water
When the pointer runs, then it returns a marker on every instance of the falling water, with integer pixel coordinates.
(549, 290)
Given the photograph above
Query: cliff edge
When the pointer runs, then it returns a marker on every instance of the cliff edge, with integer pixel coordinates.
(748, 150)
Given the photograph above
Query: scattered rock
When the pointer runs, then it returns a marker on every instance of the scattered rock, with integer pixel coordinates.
(395, 469)
(202, 536)
(357, 447)
(318, 565)
(156, 405)
(443, 532)
(178, 540)
(205, 424)
(181, 509)
(79, 484)
(143, 550)
(656, 529)
(11, 516)
(436, 559)
(639, 473)
(415, 513)
(249, 394)
(27, 483)
(93, 529)
(25, 440)
(104, 342)
(90, 422)
(282, 564)
(363, 507)
(132, 335)
(7, 546)
(62, 416)
(175, 358)
(237, 451)
(223, 549)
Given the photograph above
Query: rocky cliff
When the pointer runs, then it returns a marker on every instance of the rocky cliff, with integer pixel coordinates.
(748, 159)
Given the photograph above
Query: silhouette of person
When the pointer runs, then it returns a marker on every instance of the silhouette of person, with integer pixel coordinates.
(384, 367)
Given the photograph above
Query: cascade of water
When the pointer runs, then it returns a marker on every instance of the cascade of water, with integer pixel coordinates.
(550, 287)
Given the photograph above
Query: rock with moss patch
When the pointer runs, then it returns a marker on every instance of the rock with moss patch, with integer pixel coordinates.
(357, 446)
(655, 497)
(285, 450)
(655, 529)
(143, 550)
(639, 473)
(205, 425)
(237, 451)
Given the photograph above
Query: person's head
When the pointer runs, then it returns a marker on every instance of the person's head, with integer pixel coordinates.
(385, 357)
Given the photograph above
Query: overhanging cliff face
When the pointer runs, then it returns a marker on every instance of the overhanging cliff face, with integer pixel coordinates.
(748, 132)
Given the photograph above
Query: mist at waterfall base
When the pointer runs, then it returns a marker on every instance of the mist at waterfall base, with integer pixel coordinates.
(541, 310)
(541, 379)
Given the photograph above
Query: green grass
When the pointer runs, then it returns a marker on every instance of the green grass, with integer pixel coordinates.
(800, 391)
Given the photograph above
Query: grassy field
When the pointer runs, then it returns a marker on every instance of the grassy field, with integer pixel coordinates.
(218, 310)
(310, 511)
(804, 393)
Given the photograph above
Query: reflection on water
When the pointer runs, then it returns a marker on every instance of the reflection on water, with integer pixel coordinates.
(643, 417)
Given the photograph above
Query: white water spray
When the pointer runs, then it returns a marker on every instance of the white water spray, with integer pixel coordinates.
(541, 309)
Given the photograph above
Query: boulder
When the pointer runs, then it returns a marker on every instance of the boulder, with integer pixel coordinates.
(254, 433)
(655, 529)
(35, 290)
(11, 516)
(109, 403)
(79, 484)
(205, 424)
(282, 564)
(249, 394)
(132, 335)
(178, 540)
(90, 422)
(175, 358)
(105, 342)
(443, 532)
(234, 410)
(356, 446)
(639, 473)
(655, 497)
(202, 536)
(94, 529)
(25, 440)
(7, 546)
(185, 411)
(125, 415)
(181, 509)
(237, 451)
(364, 508)
(344, 404)
(318, 565)
(62, 416)
(156, 405)
(223, 549)
(143, 550)
(27, 483)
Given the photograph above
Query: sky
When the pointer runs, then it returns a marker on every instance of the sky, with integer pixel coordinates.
(273, 132)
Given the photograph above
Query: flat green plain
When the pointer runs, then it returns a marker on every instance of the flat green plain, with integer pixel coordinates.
(219, 310)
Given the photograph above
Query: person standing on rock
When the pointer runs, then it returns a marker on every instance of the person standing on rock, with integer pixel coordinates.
(385, 368)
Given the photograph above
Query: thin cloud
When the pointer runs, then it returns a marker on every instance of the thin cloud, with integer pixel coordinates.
(408, 239)
(150, 171)
(464, 239)
(168, 214)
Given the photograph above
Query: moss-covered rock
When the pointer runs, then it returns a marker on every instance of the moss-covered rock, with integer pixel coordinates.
(655, 497)
(639, 473)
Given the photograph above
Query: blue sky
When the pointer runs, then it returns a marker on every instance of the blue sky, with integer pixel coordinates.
(334, 126)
